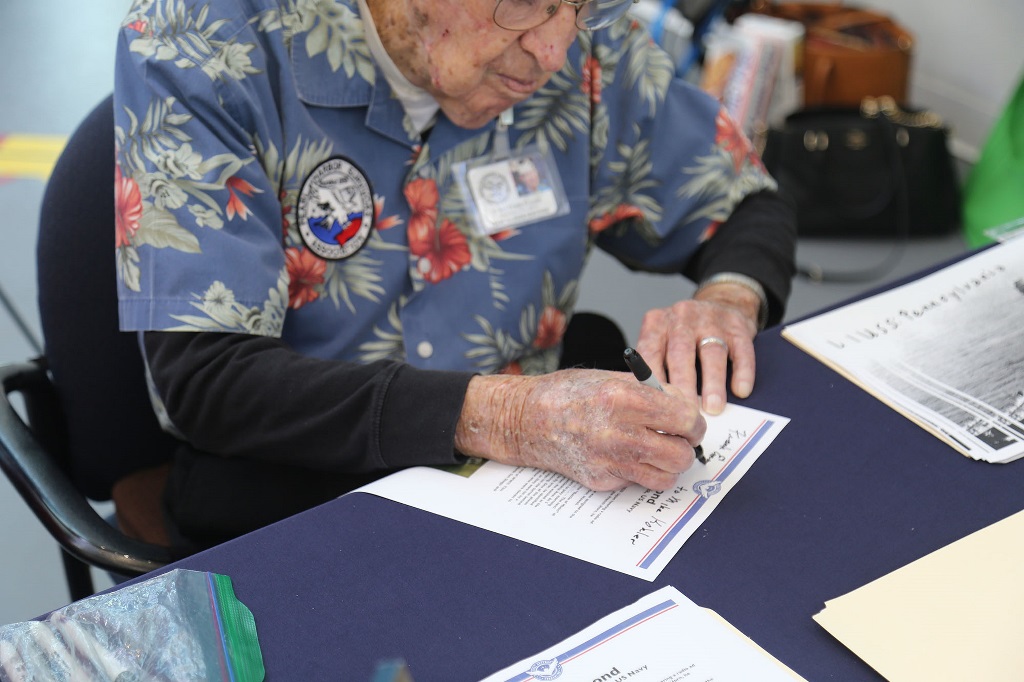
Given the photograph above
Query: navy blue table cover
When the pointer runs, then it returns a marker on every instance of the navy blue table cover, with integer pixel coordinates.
(848, 492)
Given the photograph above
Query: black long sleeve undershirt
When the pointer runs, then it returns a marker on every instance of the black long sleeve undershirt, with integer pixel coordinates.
(253, 397)
(271, 432)
(758, 240)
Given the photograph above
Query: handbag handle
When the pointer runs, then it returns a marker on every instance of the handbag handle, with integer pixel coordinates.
(832, 22)
(805, 12)
(817, 82)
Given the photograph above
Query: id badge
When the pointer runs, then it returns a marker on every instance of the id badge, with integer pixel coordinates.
(517, 190)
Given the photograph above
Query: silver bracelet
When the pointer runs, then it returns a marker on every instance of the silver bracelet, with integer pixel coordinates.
(742, 280)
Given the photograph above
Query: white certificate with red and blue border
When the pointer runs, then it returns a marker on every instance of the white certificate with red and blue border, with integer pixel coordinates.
(633, 530)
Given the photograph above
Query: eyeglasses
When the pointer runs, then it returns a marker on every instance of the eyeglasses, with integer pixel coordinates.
(522, 15)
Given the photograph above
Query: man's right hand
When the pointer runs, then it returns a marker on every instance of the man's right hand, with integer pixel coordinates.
(598, 428)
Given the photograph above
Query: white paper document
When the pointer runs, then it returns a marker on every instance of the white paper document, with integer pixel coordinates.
(946, 350)
(663, 637)
(633, 530)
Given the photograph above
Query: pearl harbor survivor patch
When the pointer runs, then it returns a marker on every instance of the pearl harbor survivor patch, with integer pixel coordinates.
(335, 209)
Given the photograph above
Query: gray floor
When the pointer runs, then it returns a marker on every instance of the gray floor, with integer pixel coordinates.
(55, 64)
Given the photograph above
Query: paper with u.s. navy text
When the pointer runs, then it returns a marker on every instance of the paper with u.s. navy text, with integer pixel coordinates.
(663, 637)
(633, 530)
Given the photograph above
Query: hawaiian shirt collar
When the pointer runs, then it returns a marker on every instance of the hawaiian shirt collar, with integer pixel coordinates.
(320, 83)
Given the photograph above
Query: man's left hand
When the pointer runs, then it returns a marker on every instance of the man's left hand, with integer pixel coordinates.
(715, 327)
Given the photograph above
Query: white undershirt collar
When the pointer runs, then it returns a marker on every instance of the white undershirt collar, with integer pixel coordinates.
(420, 106)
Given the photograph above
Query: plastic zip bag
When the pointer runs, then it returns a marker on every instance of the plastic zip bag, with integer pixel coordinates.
(182, 625)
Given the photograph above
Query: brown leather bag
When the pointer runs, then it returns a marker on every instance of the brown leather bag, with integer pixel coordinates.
(849, 53)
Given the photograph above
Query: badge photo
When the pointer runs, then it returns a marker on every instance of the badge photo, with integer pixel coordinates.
(335, 209)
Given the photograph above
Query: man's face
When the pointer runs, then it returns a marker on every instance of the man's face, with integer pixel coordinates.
(473, 68)
(529, 177)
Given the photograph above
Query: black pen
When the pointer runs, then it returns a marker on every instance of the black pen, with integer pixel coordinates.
(642, 371)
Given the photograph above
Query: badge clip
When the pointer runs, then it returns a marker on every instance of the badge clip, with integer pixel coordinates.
(500, 147)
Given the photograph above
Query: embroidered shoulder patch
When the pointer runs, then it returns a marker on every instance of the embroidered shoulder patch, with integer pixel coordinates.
(335, 209)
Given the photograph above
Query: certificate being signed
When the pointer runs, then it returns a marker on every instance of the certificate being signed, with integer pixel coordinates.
(633, 530)
(664, 637)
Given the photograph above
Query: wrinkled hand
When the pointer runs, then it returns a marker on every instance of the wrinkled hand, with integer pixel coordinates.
(670, 341)
(598, 428)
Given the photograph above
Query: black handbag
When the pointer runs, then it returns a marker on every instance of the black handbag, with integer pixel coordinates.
(877, 171)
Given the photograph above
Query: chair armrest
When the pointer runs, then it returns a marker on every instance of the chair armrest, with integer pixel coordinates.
(51, 494)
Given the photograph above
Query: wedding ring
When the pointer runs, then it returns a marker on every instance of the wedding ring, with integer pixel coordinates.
(713, 339)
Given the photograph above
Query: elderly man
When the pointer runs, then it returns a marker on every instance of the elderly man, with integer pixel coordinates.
(331, 280)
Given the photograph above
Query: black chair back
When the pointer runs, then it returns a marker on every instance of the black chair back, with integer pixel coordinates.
(97, 369)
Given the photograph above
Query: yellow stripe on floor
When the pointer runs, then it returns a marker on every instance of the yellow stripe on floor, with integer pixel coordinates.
(29, 156)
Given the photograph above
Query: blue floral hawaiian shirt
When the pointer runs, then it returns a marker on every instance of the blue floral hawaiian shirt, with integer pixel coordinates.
(268, 183)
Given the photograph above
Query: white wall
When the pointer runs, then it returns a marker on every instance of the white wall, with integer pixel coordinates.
(968, 58)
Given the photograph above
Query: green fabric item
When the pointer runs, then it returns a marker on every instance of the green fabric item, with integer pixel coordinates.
(994, 192)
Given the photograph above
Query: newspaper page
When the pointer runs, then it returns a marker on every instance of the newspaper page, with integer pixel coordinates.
(946, 350)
